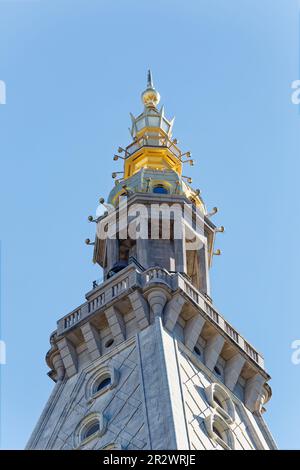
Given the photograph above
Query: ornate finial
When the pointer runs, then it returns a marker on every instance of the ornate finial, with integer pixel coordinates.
(150, 97)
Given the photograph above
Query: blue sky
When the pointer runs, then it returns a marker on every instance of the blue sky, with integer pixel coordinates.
(74, 69)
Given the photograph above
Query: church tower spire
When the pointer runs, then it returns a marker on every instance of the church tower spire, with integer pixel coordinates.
(147, 361)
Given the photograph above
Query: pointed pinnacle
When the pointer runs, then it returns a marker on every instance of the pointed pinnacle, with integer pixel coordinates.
(149, 80)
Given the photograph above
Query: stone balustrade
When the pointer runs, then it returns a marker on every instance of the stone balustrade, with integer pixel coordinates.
(73, 318)
(100, 297)
(132, 277)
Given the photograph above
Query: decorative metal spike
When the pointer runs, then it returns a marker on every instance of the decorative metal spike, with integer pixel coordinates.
(149, 80)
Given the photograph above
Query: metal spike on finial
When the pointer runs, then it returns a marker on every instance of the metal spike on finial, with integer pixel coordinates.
(149, 80)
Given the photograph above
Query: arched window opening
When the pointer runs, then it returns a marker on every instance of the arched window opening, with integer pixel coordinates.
(219, 431)
(91, 429)
(102, 383)
(220, 400)
(160, 189)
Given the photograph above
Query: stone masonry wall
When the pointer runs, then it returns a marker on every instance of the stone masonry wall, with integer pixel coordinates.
(122, 407)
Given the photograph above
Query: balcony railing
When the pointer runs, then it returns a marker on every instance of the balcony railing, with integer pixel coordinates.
(251, 352)
(133, 276)
(231, 332)
(97, 302)
(160, 275)
(212, 313)
(100, 296)
(73, 318)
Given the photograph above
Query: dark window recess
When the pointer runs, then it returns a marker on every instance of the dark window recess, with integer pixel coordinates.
(104, 383)
(217, 432)
(218, 402)
(109, 343)
(160, 190)
(116, 268)
(92, 429)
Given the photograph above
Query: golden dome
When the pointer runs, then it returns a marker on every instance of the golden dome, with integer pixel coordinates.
(150, 97)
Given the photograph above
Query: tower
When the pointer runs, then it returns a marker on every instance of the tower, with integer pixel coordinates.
(146, 361)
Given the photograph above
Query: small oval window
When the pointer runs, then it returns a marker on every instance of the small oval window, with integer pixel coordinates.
(93, 428)
(109, 343)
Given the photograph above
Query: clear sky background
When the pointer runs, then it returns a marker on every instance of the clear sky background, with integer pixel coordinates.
(74, 69)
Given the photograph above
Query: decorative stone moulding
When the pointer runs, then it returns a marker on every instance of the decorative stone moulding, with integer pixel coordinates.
(157, 299)
(112, 446)
(219, 431)
(104, 372)
(262, 398)
(220, 400)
